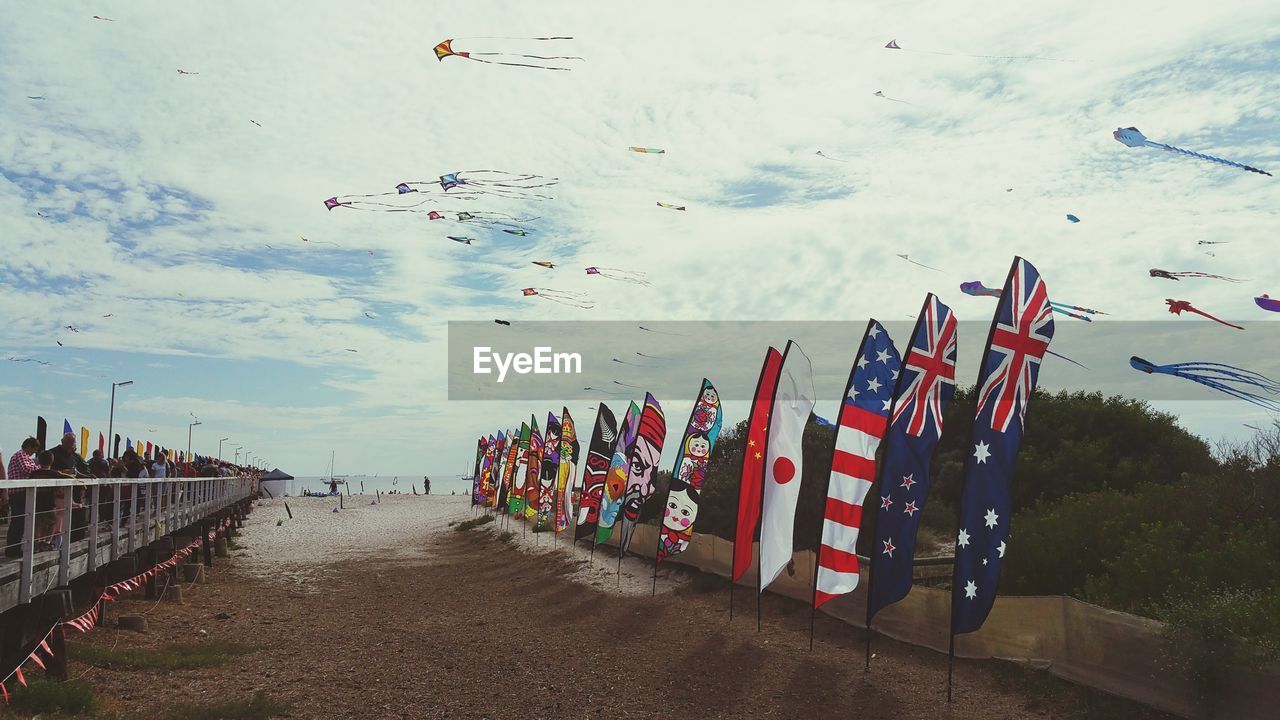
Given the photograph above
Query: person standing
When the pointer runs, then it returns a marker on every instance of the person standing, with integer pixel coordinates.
(21, 465)
(426, 484)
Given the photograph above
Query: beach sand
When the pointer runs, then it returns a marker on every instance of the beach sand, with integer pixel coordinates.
(384, 612)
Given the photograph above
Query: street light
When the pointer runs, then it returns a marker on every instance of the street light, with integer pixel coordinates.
(237, 456)
(112, 418)
(220, 448)
(190, 427)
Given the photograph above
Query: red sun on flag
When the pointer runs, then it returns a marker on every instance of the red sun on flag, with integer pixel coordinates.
(783, 470)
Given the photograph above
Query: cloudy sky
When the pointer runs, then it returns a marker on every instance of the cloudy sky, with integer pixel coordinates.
(162, 214)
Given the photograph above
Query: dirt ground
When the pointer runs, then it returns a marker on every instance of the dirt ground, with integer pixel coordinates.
(470, 627)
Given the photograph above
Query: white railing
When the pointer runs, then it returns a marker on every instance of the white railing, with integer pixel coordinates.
(153, 508)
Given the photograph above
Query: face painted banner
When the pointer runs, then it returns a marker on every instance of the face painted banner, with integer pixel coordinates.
(499, 466)
(475, 474)
(568, 471)
(508, 469)
(603, 437)
(550, 471)
(515, 500)
(615, 481)
(642, 466)
(690, 473)
(535, 467)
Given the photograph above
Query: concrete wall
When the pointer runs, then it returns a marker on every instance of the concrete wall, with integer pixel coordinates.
(1116, 652)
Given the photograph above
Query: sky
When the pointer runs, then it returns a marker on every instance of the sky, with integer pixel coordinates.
(161, 214)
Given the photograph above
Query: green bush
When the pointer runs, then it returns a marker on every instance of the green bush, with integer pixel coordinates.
(474, 522)
(260, 707)
(506, 536)
(178, 656)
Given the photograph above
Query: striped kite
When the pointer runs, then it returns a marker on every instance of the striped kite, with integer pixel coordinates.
(977, 289)
(1132, 137)
(670, 206)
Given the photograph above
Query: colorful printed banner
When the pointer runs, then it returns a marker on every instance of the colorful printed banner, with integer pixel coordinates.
(616, 479)
(549, 473)
(568, 471)
(752, 475)
(520, 475)
(642, 465)
(603, 437)
(689, 473)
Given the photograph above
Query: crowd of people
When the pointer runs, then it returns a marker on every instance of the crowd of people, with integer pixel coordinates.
(64, 461)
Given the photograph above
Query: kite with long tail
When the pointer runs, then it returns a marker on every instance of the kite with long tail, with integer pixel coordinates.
(977, 289)
(669, 206)
(1266, 302)
(1234, 381)
(880, 94)
(1132, 137)
(647, 150)
(445, 49)
(635, 277)
(913, 262)
(893, 45)
(1178, 306)
(1172, 275)
(564, 297)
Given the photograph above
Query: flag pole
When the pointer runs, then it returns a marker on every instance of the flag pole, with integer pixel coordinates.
(951, 664)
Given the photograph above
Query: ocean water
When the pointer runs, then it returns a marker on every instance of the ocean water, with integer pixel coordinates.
(368, 485)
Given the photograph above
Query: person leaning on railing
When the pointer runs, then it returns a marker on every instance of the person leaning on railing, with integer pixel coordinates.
(21, 465)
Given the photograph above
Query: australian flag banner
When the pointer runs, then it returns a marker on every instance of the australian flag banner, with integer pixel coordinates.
(1020, 335)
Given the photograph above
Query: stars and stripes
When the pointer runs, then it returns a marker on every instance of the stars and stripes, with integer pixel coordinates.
(864, 415)
(920, 399)
(1020, 335)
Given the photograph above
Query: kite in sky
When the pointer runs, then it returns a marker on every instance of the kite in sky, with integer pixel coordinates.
(351, 350)
(913, 262)
(564, 297)
(1132, 137)
(634, 277)
(669, 206)
(358, 202)
(445, 49)
(35, 97)
(650, 151)
(99, 17)
(26, 360)
(661, 332)
(503, 322)
(1212, 242)
(255, 122)
(880, 94)
(186, 72)
(72, 328)
(1172, 275)
(460, 239)
(545, 264)
(1072, 218)
(828, 157)
(495, 182)
(977, 289)
(317, 242)
(1224, 378)
(516, 231)
(1266, 302)
(893, 45)
(1178, 306)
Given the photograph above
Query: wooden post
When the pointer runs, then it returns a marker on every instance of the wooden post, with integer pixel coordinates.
(148, 557)
(58, 608)
(28, 547)
(205, 545)
(94, 495)
(64, 551)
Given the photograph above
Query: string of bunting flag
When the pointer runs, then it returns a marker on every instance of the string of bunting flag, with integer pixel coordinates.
(87, 620)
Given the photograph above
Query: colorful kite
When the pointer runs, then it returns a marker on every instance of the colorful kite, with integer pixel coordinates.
(1072, 218)
(1266, 302)
(977, 289)
(603, 437)
(1170, 275)
(1132, 137)
(460, 239)
(357, 202)
(1223, 378)
(545, 264)
(1178, 306)
(642, 466)
(564, 297)
(445, 49)
(669, 206)
(634, 277)
(515, 231)
(650, 151)
(496, 182)
(913, 262)
(690, 473)
(893, 45)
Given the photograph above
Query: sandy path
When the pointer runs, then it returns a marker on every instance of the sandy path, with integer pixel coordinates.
(446, 624)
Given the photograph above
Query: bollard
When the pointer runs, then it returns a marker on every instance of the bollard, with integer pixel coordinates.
(193, 572)
(220, 547)
(136, 623)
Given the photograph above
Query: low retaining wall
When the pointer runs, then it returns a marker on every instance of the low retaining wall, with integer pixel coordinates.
(1116, 652)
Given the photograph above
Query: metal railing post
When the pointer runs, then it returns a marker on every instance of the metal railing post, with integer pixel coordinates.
(95, 493)
(115, 520)
(28, 547)
(64, 552)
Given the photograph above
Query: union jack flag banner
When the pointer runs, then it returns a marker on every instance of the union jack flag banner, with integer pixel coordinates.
(925, 386)
(1020, 335)
(864, 416)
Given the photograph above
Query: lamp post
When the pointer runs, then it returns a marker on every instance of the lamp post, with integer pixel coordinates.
(111, 419)
(220, 448)
(237, 456)
(190, 427)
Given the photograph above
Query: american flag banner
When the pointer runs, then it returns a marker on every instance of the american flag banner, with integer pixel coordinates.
(924, 389)
(864, 416)
(1020, 335)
